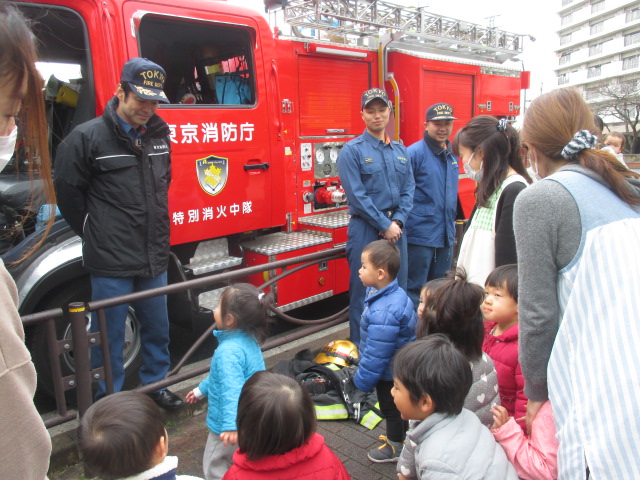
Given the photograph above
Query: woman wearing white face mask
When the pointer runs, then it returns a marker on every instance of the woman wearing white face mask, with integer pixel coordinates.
(490, 151)
(25, 445)
(579, 276)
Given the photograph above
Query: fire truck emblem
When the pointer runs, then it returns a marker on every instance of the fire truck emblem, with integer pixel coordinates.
(212, 174)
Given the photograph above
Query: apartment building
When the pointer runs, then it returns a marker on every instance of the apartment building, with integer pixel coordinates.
(599, 45)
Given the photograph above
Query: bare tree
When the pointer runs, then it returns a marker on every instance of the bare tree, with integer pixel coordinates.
(622, 101)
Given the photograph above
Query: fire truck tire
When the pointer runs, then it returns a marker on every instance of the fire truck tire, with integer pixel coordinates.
(81, 291)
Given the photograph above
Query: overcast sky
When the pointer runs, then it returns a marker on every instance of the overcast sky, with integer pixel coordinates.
(537, 18)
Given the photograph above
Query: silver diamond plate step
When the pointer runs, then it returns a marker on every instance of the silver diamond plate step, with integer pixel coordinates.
(211, 298)
(282, 242)
(327, 220)
(211, 256)
(306, 301)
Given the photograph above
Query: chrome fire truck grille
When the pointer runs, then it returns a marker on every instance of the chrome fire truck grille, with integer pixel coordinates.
(282, 242)
(211, 256)
(327, 220)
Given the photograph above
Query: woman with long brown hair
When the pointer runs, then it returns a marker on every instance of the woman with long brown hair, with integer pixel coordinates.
(579, 275)
(25, 445)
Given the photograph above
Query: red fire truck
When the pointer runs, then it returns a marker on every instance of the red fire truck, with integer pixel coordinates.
(257, 122)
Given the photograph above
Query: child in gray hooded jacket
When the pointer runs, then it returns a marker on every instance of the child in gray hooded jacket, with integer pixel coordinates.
(431, 380)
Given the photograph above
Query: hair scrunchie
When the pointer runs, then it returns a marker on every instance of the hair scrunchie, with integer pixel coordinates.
(502, 125)
(581, 140)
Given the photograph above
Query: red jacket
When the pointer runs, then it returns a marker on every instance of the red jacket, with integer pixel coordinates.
(503, 350)
(312, 461)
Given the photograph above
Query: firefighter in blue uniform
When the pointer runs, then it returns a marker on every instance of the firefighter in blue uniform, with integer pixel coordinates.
(431, 229)
(377, 178)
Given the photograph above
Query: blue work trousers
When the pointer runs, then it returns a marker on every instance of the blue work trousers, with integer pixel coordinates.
(426, 264)
(359, 235)
(154, 328)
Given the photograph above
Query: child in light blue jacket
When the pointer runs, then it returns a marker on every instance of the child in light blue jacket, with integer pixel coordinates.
(241, 320)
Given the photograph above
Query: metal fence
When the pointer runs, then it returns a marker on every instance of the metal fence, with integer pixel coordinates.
(81, 340)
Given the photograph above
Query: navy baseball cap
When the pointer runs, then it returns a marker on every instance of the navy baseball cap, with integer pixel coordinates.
(372, 94)
(145, 78)
(440, 111)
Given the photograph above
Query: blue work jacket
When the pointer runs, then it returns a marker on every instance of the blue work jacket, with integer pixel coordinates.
(431, 222)
(377, 178)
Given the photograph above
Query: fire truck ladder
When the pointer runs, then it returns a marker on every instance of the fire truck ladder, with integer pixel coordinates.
(410, 27)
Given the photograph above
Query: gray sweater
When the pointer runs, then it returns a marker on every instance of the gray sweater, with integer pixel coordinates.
(484, 390)
(548, 231)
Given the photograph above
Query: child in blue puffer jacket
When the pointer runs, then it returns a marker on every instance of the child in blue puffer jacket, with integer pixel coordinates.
(241, 321)
(388, 322)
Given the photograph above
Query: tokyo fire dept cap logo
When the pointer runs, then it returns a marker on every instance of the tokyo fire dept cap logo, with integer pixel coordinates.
(440, 111)
(145, 78)
(372, 94)
(212, 174)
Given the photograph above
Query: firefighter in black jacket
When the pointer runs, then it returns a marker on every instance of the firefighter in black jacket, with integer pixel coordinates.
(112, 177)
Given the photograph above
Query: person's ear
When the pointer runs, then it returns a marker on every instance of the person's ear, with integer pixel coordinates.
(229, 321)
(161, 449)
(427, 405)
(120, 93)
(381, 273)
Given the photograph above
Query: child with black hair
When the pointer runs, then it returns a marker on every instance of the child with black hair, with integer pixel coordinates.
(426, 310)
(431, 379)
(388, 322)
(277, 434)
(123, 436)
(455, 310)
(241, 321)
(500, 310)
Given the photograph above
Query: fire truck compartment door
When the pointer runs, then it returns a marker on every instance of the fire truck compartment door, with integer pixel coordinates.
(453, 88)
(330, 90)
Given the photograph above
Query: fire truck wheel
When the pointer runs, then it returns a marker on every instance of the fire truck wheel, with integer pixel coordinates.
(81, 291)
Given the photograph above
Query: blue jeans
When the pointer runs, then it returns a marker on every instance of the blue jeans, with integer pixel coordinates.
(359, 235)
(154, 328)
(426, 264)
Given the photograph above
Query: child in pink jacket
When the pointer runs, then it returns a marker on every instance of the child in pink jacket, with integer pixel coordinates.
(535, 457)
